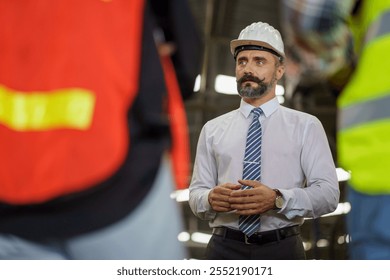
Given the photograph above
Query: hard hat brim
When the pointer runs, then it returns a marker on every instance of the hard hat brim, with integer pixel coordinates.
(237, 43)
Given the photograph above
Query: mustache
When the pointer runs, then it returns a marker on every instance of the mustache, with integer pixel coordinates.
(250, 78)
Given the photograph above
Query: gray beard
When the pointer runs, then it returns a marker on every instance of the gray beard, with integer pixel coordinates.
(253, 92)
(245, 89)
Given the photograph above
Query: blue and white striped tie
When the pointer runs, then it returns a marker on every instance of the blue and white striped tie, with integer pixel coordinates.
(252, 169)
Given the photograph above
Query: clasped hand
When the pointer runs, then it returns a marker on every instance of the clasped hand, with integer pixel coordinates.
(230, 197)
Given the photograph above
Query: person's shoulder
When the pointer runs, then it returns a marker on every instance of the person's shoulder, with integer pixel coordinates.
(304, 116)
(221, 119)
(300, 118)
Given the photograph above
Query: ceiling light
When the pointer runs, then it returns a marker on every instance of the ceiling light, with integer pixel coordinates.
(197, 84)
(200, 237)
(225, 84)
(181, 195)
(183, 236)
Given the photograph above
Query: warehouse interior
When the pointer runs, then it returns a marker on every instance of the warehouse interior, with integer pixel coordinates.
(220, 21)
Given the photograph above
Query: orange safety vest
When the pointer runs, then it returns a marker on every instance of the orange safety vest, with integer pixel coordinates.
(65, 91)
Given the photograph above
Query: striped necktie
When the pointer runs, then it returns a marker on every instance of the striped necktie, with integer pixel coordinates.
(252, 169)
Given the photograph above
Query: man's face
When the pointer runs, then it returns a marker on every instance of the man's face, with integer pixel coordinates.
(257, 73)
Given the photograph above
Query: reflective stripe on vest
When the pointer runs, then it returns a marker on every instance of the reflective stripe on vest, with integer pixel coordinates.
(368, 111)
(39, 111)
(379, 28)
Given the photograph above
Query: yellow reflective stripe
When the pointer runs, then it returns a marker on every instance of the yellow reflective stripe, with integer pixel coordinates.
(63, 108)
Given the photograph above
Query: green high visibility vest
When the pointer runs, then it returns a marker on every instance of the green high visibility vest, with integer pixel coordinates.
(364, 106)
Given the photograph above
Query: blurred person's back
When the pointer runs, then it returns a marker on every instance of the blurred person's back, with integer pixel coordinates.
(84, 132)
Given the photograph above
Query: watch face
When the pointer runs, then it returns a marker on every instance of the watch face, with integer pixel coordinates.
(279, 202)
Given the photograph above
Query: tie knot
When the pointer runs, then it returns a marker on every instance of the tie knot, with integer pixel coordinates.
(257, 112)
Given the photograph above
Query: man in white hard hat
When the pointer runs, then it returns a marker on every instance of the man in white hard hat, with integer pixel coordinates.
(257, 192)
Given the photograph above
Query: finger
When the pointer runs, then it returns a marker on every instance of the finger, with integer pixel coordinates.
(238, 199)
(222, 204)
(240, 193)
(244, 206)
(250, 183)
(244, 193)
(245, 199)
(234, 187)
(222, 191)
(219, 191)
(222, 209)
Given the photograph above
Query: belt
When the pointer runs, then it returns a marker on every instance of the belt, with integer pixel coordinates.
(257, 238)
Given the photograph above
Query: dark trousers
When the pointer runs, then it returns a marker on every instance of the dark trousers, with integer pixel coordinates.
(221, 248)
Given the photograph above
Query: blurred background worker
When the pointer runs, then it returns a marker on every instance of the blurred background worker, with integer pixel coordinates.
(319, 35)
(89, 110)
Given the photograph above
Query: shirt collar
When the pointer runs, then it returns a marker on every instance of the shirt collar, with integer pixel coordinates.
(268, 108)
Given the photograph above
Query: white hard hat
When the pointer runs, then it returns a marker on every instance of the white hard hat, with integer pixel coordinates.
(261, 36)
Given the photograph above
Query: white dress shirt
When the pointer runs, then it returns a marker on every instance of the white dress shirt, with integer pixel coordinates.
(296, 159)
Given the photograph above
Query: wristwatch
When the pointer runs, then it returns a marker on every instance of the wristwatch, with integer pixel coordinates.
(279, 201)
